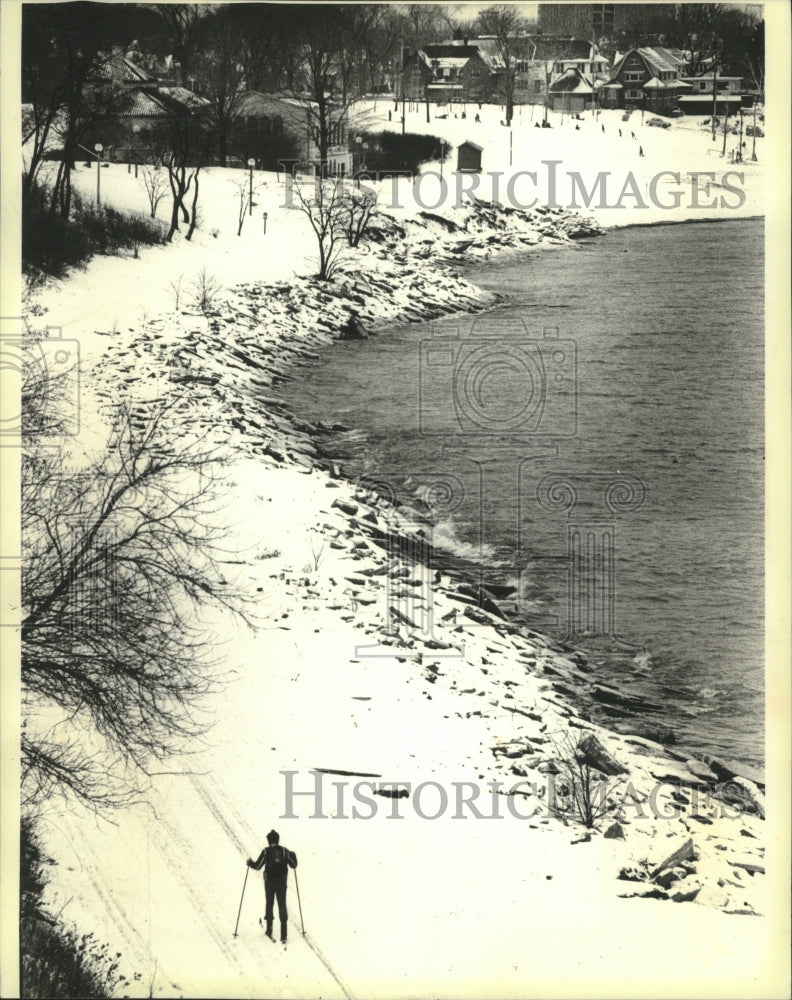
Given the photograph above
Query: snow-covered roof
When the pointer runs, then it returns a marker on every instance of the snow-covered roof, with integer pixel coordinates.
(120, 69)
(571, 82)
(729, 98)
(159, 102)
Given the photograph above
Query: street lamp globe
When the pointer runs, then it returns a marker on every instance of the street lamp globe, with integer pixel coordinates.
(98, 147)
(251, 162)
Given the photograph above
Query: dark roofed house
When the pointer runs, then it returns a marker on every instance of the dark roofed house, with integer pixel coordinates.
(647, 78)
(447, 72)
(139, 108)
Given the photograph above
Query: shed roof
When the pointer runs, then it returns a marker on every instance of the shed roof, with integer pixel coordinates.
(469, 144)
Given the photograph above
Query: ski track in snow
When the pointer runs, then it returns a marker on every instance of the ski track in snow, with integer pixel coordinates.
(170, 848)
(211, 802)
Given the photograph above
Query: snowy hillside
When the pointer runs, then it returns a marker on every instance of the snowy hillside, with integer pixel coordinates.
(394, 903)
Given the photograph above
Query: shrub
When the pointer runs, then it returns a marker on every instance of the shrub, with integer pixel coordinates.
(55, 960)
(50, 245)
(392, 151)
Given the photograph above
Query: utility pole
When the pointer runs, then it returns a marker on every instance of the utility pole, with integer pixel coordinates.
(714, 99)
(739, 151)
(753, 151)
(725, 126)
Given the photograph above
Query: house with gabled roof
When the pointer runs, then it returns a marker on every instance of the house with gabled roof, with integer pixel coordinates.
(139, 107)
(571, 92)
(451, 71)
(648, 78)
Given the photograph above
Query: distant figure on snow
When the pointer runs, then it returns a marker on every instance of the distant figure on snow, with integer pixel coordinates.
(602, 127)
(620, 133)
(478, 118)
(577, 128)
(390, 116)
(276, 862)
(640, 151)
(632, 134)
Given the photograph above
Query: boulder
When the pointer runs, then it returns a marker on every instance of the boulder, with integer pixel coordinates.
(668, 876)
(632, 874)
(669, 772)
(614, 832)
(686, 852)
(755, 796)
(346, 506)
(701, 770)
(686, 895)
(595, 754)
(710, 895)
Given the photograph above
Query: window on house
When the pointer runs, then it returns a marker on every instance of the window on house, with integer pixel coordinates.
(633, 95)
(522, 66)
(632, 77)
(476, 71)
(538, 86)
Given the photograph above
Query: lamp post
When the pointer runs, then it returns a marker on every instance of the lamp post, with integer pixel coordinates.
(251, 163)
(358, 143)
(136, 133)
(98, 147)
(264, 216)
(442, 156)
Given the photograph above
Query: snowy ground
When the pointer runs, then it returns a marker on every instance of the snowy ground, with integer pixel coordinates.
(392, 907)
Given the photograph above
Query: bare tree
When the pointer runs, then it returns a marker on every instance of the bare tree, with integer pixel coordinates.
(324, 203)
(222, 78)
(156, 186)
(505, 23)
(183, 148)
(184, 23)
(118, 563)
(65, 54)
(359, 205)
(584, 764)
(244, 195)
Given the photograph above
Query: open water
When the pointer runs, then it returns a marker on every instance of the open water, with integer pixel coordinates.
(598, 444)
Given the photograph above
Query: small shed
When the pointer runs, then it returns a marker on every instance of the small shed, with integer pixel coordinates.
(469, 158)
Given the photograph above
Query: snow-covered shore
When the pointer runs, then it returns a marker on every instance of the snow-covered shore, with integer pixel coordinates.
(392, 907)
(525, 906)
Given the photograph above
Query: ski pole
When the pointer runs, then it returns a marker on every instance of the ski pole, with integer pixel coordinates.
(247, 869)
(297, 887)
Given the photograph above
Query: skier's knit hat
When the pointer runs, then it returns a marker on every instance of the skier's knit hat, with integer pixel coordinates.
(273, 837)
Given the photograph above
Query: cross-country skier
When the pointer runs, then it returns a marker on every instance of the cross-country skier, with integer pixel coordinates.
(276, 862)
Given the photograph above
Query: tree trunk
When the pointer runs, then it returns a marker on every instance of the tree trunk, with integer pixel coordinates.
(191, 230)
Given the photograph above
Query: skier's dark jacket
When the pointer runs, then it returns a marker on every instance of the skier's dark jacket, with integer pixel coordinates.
(276, 861)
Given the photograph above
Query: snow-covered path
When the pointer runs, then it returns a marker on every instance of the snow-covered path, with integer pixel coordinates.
(393, 907)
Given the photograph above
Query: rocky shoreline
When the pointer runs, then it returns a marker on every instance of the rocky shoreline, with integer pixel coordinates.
(682, 828)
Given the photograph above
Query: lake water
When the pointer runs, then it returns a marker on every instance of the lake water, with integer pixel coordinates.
(626, 374)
